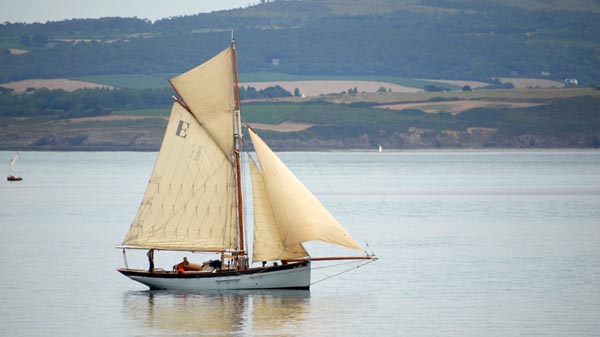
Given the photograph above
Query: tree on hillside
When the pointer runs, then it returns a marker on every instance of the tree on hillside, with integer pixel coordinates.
(40, 40)
(434, 88)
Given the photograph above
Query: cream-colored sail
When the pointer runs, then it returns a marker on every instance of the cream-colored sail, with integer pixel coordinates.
(190, 198)
(12, 163)
(298, 214)
(208, 92)
(268, 243)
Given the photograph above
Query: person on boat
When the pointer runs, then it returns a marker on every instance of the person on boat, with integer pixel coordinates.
(180, 267)
(215, 264)
(150, 255)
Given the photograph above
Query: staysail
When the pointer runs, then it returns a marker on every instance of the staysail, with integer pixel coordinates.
(268, 242)
(299, 216)
(190, 198)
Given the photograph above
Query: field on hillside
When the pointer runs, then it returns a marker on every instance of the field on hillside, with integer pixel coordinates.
(308, 85)
(525, 83)
(52, 84)
(130, 81)
(273, 77)
(316, 88)
(499, 118)
(139, 81)
(492, 95)
(458, 106)
(144, 112)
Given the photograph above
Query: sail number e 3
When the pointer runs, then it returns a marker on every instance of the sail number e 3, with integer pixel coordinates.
(182, 129)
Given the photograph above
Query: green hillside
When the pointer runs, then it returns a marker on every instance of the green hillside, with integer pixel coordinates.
(132, 119)
(311, 8)
(394, 41)
(449, 39)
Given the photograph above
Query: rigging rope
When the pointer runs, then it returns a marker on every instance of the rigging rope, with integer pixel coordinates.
(341, 205)
(342, 272)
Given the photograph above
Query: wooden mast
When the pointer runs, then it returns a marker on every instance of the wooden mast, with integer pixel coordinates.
(237, 141)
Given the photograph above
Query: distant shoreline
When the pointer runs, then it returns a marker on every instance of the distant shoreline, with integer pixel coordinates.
(374, 150)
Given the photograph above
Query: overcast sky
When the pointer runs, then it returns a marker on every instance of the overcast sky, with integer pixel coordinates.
(56, 10)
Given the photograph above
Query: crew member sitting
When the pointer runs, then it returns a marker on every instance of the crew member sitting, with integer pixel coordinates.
(215, 264)
(181, 266)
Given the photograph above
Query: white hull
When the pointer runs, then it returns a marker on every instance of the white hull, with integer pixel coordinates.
(292, 276)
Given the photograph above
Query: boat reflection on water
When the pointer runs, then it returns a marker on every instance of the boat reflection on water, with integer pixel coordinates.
(220, 313)
(271, 311)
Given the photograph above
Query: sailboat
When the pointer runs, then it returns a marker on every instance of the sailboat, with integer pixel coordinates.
(194, 200)
(11, 167)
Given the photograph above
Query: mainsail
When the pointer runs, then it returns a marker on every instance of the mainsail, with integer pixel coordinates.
(297, 213)
(189, 203)
(11, 165)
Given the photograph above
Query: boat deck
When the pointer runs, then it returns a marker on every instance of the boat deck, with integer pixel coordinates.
(161, 273)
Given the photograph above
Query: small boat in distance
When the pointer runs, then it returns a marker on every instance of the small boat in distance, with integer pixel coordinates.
(11, 176)
(194, 201)
(380, 148)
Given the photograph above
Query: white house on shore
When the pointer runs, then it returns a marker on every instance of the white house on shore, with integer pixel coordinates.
(571, 81)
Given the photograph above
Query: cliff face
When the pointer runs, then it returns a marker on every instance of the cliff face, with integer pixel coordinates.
(416, 138)
(89, 139)
(134, 139)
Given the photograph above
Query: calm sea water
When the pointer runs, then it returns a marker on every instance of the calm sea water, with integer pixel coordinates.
(481, 243)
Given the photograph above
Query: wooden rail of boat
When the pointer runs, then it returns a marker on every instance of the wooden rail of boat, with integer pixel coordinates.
(336, 258)
(209, 274)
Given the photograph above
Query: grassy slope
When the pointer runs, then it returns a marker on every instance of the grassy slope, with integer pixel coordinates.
(331, 7)
(298, 110)
(272, 76)
(373, 7)
(569, 121)
(533, 95)
(144, 112)
(339, 114)
(581, 5)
